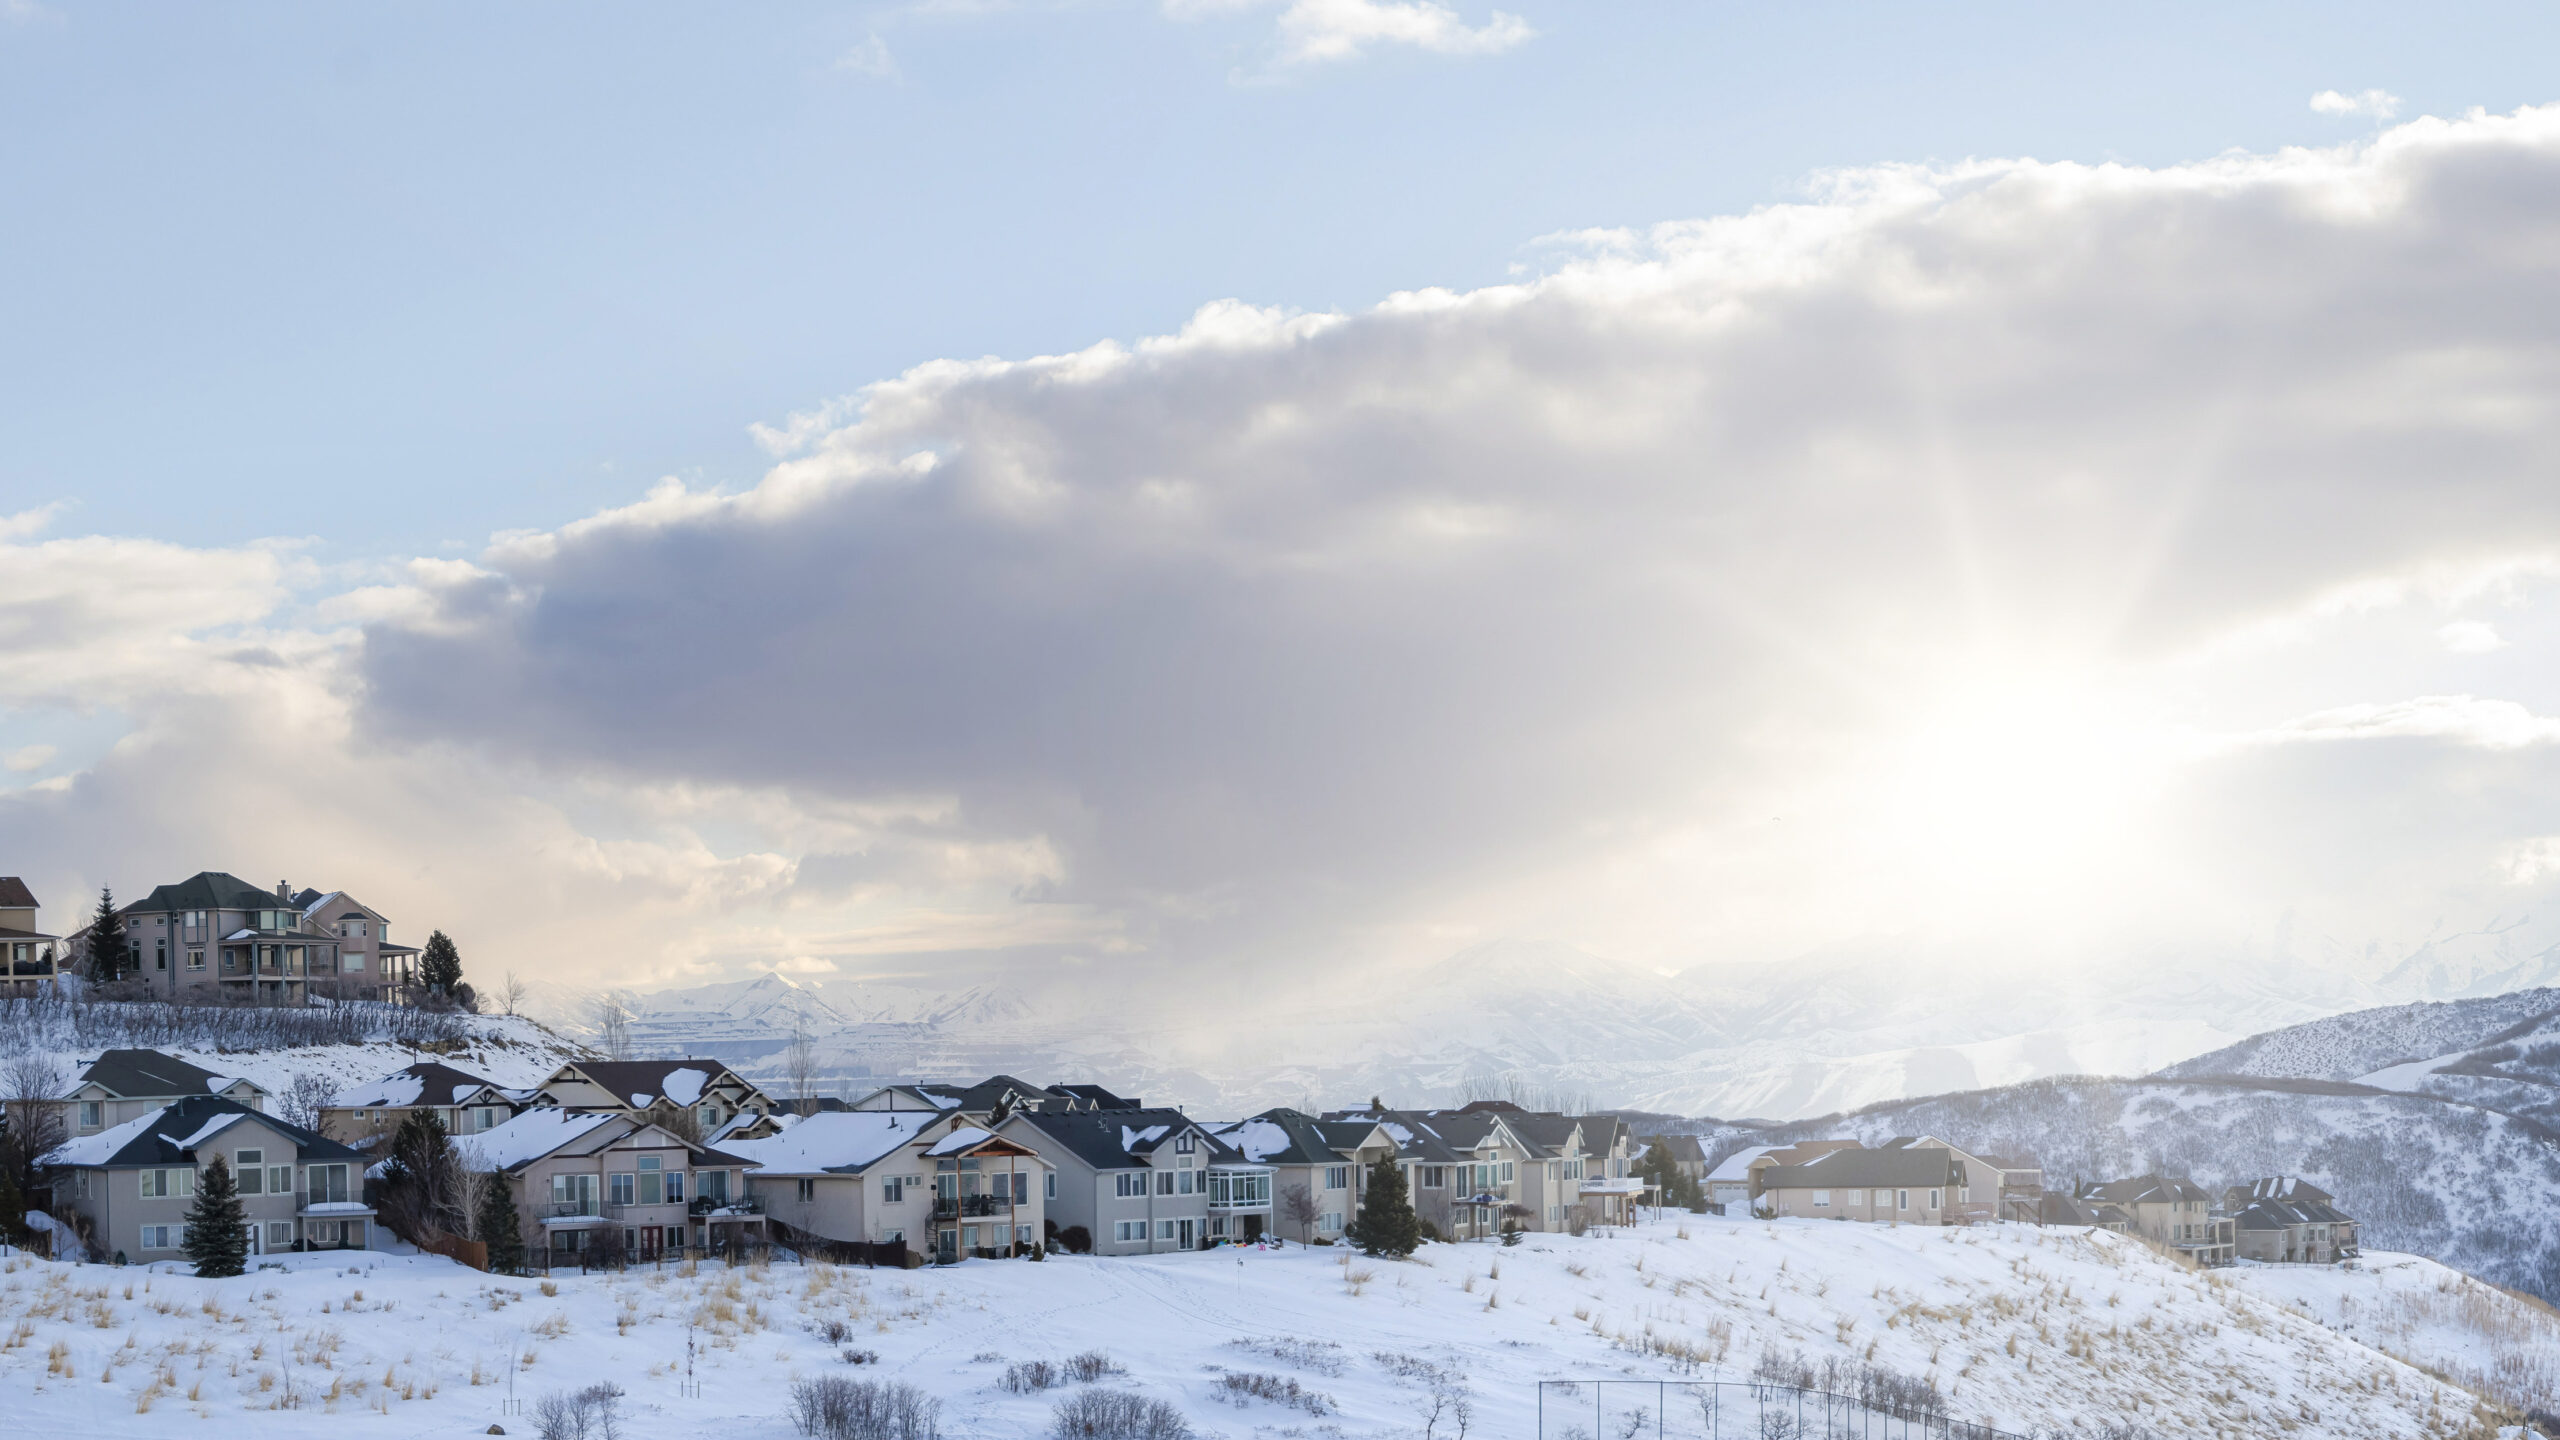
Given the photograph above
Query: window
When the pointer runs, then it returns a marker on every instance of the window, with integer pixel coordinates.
(279, 1179)
(1130, 1184)
(809, 1190)
(1129, 1230)
(893, 1189)
(1506, 1172)
(195, 919)
(1337, 1177)
(1049, 1186)
(675, 1187)
(653, 1180)
(1934, 1201)
(163, 1237)
(619, 1188)
(352, 960)
(92, 1114)
(1021, 1188)
(570, 1194)
(1164, 1229)
(327, 1184)
(1822, 1199)
(279, 1232)
(168, 1184)
(1182, 1182)
(160, 956)
(1185, 1144)
(1164, 1183)
(251, 1167)
(195, 959)
(1435, 1177)
(485, 1118)
(1330, 1222)
(1901, 1199)
(713, 1186)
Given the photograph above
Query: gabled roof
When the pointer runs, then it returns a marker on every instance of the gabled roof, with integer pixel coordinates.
(210, 890)
(14, 894)
(641, 1083)
(2147, 1190)
(549, 1130)
(2276, 1187)
(1099, 1098)
(836, 1142)
(2281, 1214)
(1114, 1139)
(1294, 1137)
(1009, 1091)
(426, 1083)
(2056, 1208)
(1549, 1135)
(1860, 1169)
(149, 1075)
(170, 1134)
(1683, 1149)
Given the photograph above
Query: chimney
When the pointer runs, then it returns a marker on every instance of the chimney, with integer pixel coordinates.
(284, 889)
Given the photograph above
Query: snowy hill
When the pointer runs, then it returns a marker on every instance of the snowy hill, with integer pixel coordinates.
(2067, 1333)
(2342, 1047)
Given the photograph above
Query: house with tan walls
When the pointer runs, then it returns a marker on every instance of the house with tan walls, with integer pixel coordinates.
(2178, 1214)
(1912, 1185)
(462, 1102)
(937, 1182)
(699, 1098)
(587, 1182)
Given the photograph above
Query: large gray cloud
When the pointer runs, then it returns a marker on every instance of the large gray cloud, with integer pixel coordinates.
(1287, 627)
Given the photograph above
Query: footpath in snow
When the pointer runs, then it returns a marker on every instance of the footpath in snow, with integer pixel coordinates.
(2026, 1329)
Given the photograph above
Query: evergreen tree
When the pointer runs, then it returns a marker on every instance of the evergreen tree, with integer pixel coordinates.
(440, 965)
(417, 1195)
(499, 1228)
(1386, 1224)
(216, 1240)
(107, 949)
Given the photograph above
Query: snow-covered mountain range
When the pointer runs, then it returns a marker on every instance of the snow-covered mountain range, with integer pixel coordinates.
(1813, 1036)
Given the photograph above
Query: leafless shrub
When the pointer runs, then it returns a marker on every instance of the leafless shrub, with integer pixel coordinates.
(594, 1413)
(1116, 1415)
(834, 1408)
(1322, 1356)
(1090, 1366)
(1025, 1377)
(1241, 1387)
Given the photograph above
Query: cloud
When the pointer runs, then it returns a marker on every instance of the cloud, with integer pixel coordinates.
(870, 58)
(1668, 599)
(1317, 31)
(2471, 637)
(2380, 104)
(28, 757)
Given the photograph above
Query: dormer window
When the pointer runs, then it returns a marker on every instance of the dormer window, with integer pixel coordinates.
(1185, 1144)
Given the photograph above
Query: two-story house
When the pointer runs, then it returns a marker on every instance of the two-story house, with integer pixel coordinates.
(1138, 1181)
(1902, 1185)
(700, 1098)
(584, 1181)
(132, 1184)
(27, 955)
(2285, 1220)
(1325, 1161)
(463, 1102)
(941, 1184)
(122, 1085)
(2178, 1214)
(214, 936)
(370, 966)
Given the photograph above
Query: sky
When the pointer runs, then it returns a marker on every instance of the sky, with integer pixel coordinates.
(1225, 489)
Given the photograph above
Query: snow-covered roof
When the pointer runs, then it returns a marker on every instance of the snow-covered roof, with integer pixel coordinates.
(958, 1140)
(529, 1136)
(395, 1091)
(685, 1086)
(1131, 1139)
(97, 1149)
(1737, 1166)
(205, 1131)
(833, 1141)
(1255, 1139)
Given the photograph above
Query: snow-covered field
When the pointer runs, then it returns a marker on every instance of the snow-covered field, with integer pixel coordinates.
(2024, 1328)
(2491, 1340)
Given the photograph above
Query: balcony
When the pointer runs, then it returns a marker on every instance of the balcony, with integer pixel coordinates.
(971, 1205)
(581, 1210)
(707, 1204)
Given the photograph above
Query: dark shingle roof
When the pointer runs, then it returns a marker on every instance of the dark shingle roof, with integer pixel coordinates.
(14, 894)
(146, 1073)
(625, 1079)
(1682, 1148)
(156, 1143)
(1417, 1135)
(438, 1084)
(209, 890)
(1099, 1098)
(2147, 1190)
(1116, 1139)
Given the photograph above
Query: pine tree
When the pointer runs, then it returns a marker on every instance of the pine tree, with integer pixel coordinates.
(499, 1228)
(1386, 1224)
(107, 950)
(440, 965)
(216, 1240)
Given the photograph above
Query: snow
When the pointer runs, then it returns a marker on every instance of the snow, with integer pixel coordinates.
(959, 1140)
(338, 1207)
(2428, 1313)
(528, 1136)
(206, 1131)
(684, 1086)
(1736, 1167)
(2020, 1327)
(99, 1148)
(2405, 1076)
(1130, 1139)
(395, 1091)
(1254, 1139)
(833, 1140)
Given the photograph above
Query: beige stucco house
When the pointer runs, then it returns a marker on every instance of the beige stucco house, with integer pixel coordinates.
(463, 1102)
(27, 955)
(939, 1183)
(699, 1098)
(2178, 1214)
(131, 1185)
(585, 1182)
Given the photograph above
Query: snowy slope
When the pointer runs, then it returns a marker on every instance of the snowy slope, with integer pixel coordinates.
(2343, 1047)
(507, 1051)
(2437, 1318)
(2020, 1327)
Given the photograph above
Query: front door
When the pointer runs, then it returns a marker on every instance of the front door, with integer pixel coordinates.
(1190, 1238)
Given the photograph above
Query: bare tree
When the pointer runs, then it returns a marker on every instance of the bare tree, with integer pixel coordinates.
(800, 1063)
(302, 1101)
(1298, 1207)
(613, 1025)
(32, 1120)
(511, 992)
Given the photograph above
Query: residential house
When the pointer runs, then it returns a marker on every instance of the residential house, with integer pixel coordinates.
(1611, 1189)
(1566, 1176)
(1907, 1185)
(1688, 1158)
(31, 955)
(2176, 1213)
(2285, 1220)
(370, 966)
(216, 937)
(465, 1103)
(938, 1183)
(122, 1085)
(995, 1096)
(1143, 1181)
(2058, 1207)
(695, 1097)
(131, 1184)
(1465, 1168)
(588, 1181)
(1326, 1161)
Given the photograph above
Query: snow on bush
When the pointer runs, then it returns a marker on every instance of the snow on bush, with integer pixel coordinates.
(1116, 1415)
(834, 1408)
